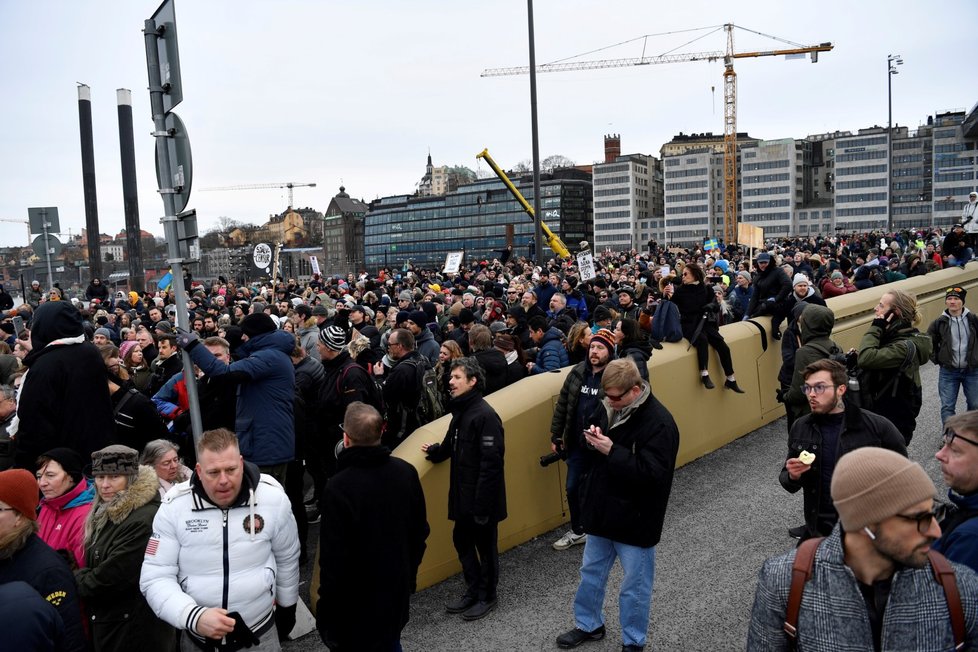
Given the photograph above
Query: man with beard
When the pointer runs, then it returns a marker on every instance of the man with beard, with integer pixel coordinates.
(579, 398)
(870, 586)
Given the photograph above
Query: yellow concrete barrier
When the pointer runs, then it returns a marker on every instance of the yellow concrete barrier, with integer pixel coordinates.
(707, 419)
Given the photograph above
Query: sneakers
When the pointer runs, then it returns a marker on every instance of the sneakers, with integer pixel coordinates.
(568, 540)
(479, 610)
(576, 636)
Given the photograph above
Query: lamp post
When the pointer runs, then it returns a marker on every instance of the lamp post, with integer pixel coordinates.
(892, 61)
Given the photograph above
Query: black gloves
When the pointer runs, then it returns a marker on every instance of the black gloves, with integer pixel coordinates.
(187, 340)
(285, 621)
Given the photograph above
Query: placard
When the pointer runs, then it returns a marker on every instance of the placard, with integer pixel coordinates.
(585, 265)
(453, 262)
(314, 263)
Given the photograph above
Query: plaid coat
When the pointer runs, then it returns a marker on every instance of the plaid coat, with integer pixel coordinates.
(833, 614)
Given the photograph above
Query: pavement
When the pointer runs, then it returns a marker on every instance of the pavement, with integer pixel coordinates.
(727, 514)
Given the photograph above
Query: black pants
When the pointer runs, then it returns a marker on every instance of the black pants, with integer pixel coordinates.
(712, 337)
(476, 548)
(294, 490)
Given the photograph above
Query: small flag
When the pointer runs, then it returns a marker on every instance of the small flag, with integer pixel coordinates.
(151, 546)
(165, 281)
(710, 244)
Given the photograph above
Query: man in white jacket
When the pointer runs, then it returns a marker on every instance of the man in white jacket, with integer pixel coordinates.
(223, 561)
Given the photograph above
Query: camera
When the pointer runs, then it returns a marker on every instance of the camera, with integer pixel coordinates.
(547, 460)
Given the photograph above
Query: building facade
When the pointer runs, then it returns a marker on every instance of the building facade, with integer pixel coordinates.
(478, 218)
(627, 202)
(343, 233)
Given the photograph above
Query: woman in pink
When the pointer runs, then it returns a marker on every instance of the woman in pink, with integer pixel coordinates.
(836, 285)
(67, 499)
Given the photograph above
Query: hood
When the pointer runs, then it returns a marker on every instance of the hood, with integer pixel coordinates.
(816, 321)
(553, 333)
(55, 320)
(276, 340)
(81, 494)
(144, 489)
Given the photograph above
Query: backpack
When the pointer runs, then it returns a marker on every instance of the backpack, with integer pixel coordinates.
(430, 404)
(665, 323)
(375, 394)
(801, 573)
(876, 275)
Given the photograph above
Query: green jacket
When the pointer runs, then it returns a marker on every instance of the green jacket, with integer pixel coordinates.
(815, 324)
(116, 534)
(886, 350)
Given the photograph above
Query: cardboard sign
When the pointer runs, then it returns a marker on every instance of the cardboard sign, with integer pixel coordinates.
(585, 265)
(453, 262)
(314, 263)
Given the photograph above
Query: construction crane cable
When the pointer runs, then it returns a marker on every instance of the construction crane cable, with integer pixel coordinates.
(632, 40)
(692, 41)
(774, 38)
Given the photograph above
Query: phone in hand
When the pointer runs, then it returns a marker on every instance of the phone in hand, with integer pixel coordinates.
(18, 323)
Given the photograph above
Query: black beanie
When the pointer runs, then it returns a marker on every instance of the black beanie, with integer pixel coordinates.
(69, 460)
(257, 323)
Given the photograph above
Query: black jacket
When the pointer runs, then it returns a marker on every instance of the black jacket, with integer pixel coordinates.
(65, 397)
(309, 377)
(640, 353)
(940, 333)
(859, 428)
(625, 493)
(772, 283)
(493, 362)
(343, 382)
(474, 441)
(372, 541)
(402, 392)
(136, 419)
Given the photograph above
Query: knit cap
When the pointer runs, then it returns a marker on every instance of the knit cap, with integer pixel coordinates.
(333, 337)
(125, 347)
(105, 332)
(257, 323)
(418, 317)
(115, 460)
(605, 337)
(872, 484)
(799, 278)
(955, 291)
(18, 488)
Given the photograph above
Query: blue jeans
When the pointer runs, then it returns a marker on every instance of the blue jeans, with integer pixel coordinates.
(576, 465)
(949, 382)
(635, 598)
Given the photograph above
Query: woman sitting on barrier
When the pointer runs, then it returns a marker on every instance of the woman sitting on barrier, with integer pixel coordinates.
(698, 315)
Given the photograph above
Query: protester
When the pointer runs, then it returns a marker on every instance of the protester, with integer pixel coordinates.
(164, 458)
(66, 500)
(959, 466)
(955, 350)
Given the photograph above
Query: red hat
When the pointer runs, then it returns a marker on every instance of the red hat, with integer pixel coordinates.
(18, 488)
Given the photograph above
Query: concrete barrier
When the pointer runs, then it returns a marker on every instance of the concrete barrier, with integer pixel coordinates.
(707, 419)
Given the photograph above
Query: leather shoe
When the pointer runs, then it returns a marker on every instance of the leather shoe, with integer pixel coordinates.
(732, 384)
(707, 383)
(632, 648)
(576, 636)
(479, 610)
(462, 604)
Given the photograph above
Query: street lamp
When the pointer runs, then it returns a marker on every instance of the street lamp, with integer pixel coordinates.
(892, 61)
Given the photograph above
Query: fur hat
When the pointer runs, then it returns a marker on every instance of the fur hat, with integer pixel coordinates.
(115, 460)
(872, 484)
(18, 488)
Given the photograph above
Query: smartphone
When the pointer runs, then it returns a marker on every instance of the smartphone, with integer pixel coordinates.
(18, 322)
(588, 445)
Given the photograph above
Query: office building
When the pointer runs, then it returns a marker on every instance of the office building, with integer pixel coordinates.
(628, 199)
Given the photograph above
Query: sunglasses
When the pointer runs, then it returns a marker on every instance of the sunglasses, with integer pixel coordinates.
(616, 397)
(924, 518)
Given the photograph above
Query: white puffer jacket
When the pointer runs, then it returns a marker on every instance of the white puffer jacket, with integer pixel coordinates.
(243, 559)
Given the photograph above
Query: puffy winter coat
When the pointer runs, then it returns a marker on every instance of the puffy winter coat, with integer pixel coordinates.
(115, 542)
(552, 354)
(265, 422)
(241, 559)
(62, 520)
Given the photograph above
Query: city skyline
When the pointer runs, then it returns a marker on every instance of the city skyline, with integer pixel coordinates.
(359, 95)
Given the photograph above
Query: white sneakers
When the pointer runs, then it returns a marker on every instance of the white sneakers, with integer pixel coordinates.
(568, 540)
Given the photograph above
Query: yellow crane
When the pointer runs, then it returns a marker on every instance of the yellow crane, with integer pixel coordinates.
(729, 95)
(554, 242)
(266, 186)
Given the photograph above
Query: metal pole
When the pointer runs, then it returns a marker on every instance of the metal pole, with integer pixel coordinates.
(170, 219)
(537, 217)
(88, 179)
(47, 247)
(889, 144)
(127, 152)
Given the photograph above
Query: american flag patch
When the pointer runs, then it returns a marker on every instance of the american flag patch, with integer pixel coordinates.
(151, 547)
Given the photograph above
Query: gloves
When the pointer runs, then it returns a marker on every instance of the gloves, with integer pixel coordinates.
(187, 340)
(880, 323)
(241, 636)
(284, 621)
(779, 394)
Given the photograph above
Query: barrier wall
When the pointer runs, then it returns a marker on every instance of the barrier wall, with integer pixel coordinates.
(707, 419)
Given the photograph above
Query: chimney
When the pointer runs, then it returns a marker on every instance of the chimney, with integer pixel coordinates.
(612, 148)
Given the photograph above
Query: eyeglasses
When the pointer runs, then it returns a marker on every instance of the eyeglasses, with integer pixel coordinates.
(950, 436)
(613, 397)
(818, 389)
(924, 518)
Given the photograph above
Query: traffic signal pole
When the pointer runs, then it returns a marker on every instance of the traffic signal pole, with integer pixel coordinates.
(170, 220)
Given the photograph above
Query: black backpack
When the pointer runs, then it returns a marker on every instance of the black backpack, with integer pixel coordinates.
(430, 405)
(876, 275)
(375, 394)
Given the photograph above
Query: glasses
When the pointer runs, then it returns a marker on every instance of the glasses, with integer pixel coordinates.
(924, 518)
(613, 397)
(950, 436)
(818, 389)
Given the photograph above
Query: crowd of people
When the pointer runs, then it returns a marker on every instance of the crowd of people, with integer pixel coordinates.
(121, 521)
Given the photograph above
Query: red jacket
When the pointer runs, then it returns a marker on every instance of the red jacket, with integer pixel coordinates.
(62, 520)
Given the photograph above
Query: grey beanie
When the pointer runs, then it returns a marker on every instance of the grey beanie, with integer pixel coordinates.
(104, 331)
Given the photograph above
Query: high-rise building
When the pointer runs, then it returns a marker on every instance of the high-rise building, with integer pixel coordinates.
(628, 209)
(955, 160)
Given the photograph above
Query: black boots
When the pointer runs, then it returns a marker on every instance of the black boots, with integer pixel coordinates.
(732, 384)
(707, 383)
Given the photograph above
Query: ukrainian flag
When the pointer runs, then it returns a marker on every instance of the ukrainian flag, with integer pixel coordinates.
(165, 281)
(710, 243)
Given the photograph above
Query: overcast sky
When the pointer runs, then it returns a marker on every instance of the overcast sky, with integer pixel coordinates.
(358, 92)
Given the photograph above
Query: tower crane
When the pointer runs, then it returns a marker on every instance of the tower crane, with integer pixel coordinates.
(729, 95)
(266, 186)
(19, 221)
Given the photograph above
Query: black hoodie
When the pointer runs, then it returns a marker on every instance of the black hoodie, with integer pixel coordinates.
(65, 396)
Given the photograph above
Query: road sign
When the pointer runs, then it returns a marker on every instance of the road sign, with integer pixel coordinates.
(38, 216)
(181, 162)
(166, 27)
(54, 246)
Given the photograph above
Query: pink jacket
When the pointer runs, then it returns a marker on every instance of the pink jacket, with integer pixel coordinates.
(62, 520)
